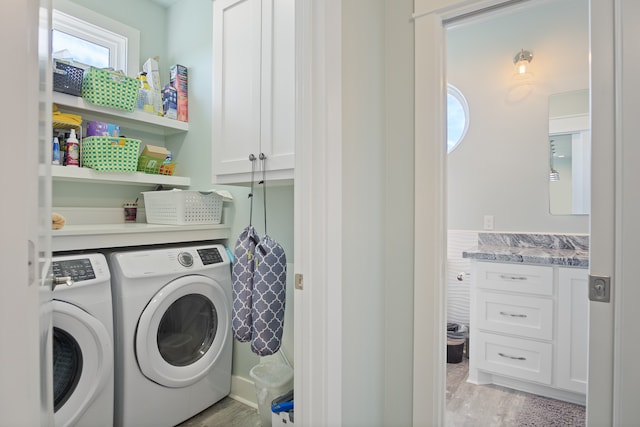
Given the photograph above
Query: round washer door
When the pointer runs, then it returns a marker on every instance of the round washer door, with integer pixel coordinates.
(182, 331)
(82, 361)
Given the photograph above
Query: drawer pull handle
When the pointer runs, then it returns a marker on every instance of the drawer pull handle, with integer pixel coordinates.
(512, 357)
(504, 313)
(505, 277)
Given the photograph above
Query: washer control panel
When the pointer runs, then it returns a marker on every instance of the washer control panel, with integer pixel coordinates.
(78, 269)
(210, 256)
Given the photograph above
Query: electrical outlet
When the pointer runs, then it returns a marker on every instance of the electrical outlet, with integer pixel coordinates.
(488, 222)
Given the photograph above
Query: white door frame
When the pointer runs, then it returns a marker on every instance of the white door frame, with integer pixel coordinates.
(430, 207)
(26, 396)
(318, 213)
(626, 375)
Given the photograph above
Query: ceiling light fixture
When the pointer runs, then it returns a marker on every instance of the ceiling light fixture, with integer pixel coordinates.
(522, 60)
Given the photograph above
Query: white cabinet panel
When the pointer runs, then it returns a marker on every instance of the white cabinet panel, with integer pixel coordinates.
(513, 314)
(532, 279)
(236, 93)
(529, 328)
(514, 357)
(253, 88)
(573, 329)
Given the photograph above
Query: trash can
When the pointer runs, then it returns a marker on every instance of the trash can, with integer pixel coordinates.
(282, 409)
(271, 379)
(456, 337)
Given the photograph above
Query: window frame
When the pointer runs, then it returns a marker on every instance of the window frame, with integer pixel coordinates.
(457, 94)
(122, 41)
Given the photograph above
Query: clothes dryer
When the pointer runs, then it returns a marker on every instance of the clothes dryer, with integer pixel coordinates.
(82, 342)
(172, 315)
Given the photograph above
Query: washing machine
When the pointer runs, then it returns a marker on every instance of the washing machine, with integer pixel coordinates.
(83, 358)
(172, 321)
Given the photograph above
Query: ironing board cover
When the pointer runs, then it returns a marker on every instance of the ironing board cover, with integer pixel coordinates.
(242, 278)
(269, 295)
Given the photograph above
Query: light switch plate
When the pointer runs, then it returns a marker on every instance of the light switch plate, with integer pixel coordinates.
(488, 222)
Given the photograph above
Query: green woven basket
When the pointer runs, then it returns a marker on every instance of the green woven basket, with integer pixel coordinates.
(109, 89)
(108, 154)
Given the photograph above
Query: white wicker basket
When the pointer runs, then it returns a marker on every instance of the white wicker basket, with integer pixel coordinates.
(183, 207)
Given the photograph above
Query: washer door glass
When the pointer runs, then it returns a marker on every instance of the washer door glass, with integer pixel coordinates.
(67, 366)
(187, 329)
(182, 331)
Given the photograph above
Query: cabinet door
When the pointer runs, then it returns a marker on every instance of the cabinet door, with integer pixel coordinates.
(237, 57)
(514, 357)
(278, 87)
(253, 86)
(573, 331)
(526, 316)
(530, 279)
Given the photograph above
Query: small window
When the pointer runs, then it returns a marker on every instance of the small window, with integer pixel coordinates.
(91, 39)
(81, 51)
(457, 117)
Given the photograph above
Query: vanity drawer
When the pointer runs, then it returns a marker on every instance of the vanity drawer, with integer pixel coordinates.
(526, 316)
(514, 357)
(531, 279)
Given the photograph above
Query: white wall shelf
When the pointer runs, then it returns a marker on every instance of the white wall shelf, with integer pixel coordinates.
(96, 228)
(137, 120)
(98, 236)
(88, 175)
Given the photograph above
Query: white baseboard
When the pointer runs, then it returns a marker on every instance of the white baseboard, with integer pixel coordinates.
(243, 390)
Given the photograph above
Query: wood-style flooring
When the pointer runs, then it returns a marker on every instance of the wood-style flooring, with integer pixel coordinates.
(226, 413)
(468, 405)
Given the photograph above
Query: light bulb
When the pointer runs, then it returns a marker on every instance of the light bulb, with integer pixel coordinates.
(522, 67)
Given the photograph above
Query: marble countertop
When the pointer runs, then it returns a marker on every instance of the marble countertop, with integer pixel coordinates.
(529, 255)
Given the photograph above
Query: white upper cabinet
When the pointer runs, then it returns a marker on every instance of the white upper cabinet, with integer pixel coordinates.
(253, 88)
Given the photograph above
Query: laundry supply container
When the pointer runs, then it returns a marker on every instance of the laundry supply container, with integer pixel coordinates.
(271, 379)
(456, 337)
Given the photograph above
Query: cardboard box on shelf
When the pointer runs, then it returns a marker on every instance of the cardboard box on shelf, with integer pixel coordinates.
(155, 152)
(179, 80)
(95, 128)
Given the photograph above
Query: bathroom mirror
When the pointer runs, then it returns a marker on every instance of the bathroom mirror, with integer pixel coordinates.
(569, 153)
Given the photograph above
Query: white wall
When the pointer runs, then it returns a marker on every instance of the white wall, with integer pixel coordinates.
(362, 244)
(377, 82)
(501, 166)
(398, 213)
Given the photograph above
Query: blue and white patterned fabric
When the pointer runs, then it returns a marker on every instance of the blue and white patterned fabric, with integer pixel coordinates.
(269, 295)
(242, 278)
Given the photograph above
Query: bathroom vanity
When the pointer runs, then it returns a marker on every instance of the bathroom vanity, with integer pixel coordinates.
(529, 315)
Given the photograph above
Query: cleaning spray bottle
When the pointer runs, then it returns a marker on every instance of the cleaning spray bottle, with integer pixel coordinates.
(73, 150)
(56, 152)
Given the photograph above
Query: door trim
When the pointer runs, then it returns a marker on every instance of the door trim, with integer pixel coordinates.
(318, 376)
(430, 207)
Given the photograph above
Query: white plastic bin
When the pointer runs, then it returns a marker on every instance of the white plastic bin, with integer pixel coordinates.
(271, 379)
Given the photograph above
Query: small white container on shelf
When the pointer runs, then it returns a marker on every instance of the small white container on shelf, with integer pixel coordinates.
(183, 207)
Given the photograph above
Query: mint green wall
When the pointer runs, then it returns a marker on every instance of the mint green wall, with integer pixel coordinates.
(183, 34)
(501, 167)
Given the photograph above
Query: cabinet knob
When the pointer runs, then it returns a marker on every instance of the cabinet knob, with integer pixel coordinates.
(252, 157)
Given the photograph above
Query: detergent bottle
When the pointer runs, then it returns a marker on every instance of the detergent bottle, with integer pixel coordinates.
(73, 150)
